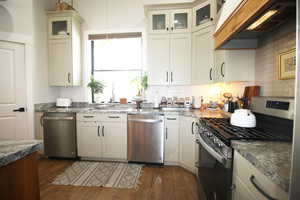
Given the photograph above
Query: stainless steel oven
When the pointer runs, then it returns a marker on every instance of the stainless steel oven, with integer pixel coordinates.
(214, 167)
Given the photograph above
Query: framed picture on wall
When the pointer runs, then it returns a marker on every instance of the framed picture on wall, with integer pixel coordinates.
(287, 64)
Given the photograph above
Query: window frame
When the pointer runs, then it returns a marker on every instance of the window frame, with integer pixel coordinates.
(93, 70)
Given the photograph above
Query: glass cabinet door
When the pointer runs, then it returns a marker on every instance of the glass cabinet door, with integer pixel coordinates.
(59, 28)
(181, 20)
(203, 15)
(159, 22)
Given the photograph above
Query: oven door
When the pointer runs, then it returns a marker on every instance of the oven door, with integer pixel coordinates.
(214, 173)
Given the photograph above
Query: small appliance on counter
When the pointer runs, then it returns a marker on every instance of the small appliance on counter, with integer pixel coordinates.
(63, 102)
(196, 102)
(188, 102)
(243, 118)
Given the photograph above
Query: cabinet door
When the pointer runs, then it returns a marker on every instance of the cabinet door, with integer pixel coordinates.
(114, 140)
(59, 27)
(60, 62)
(180, 21)
(89, 139)
(187, 143)
(203, 57)
(158, 59)
(172, 139)
(241, 192)
(220, 65)
(180, 59)
(203, 15)
(159, 22)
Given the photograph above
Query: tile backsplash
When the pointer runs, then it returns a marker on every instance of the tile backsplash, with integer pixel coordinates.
(266, 66)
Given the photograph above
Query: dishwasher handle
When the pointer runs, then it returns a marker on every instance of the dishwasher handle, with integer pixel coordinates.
(58, 118)
(152, 121)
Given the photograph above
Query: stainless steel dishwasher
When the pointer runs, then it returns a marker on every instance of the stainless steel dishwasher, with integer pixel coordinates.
(146, 138)
(60, 135)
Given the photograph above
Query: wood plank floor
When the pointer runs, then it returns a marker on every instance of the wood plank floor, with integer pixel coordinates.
(157, 183)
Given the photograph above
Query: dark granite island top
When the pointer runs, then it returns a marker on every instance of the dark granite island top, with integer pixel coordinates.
(13, 150)
(273, 159)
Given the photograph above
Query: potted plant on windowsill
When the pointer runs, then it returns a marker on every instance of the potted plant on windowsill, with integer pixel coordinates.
(142, 84)
(96, 87)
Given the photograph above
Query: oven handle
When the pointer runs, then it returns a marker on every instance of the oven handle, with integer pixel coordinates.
(212, 152)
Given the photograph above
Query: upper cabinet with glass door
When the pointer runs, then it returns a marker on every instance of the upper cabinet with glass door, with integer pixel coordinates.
(60, 27)
(204, 14)
(169, 21)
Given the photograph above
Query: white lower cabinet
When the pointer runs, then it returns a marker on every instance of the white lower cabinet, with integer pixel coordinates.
(115, 140)
(102, 139)
(250, 184)
(172, 139)
(89, 140)
(187, 143)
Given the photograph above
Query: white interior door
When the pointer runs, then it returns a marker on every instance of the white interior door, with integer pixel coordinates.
(13, 124)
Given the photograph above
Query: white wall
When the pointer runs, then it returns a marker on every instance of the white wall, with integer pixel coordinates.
(16, 16)
(42, 93)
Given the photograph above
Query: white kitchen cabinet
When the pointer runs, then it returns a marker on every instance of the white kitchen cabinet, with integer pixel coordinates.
(102, 136)
(114, 140)
(187, 143)
(64, 48)
(204, 14)
(158, 59)
(234, 65)
(169, 59)
(203, 57)
(169, 21)
(180, 59)
(172, 139)
(244, 189)
(89, 140)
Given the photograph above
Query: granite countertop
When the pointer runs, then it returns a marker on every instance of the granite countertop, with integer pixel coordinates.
(196, 113)
(273, 159)
(13, 150)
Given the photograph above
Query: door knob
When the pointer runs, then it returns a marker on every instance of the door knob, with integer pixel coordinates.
(19, 110)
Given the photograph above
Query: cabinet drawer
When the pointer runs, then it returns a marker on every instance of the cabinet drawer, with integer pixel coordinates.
(113, 117)
(88, 117)
(250, 176)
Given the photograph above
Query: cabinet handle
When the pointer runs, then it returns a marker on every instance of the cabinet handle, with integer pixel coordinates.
(167, 28)
(88, 116)
(69, 77)
(211, 19)
(222, 72)
(98, 131)
(103, 131)
(41, 120)
(166, 133)
(68, 33)
(113, 117)
(167, 76)
(171, 77)
(252, 179)
(210, 71)
(193, 128)
(171, 118)
(172, 28)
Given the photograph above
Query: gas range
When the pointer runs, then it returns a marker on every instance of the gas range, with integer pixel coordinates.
(274, 122)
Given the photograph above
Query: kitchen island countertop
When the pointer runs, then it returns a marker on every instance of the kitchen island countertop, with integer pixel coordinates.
(273, 159)
(13, 150)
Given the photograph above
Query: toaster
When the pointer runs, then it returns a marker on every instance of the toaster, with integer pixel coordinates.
(63, 102)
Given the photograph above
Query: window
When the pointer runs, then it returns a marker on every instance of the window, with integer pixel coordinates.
(116, 61)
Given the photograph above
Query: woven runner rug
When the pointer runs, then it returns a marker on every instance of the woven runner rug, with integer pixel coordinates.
(100, 174)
